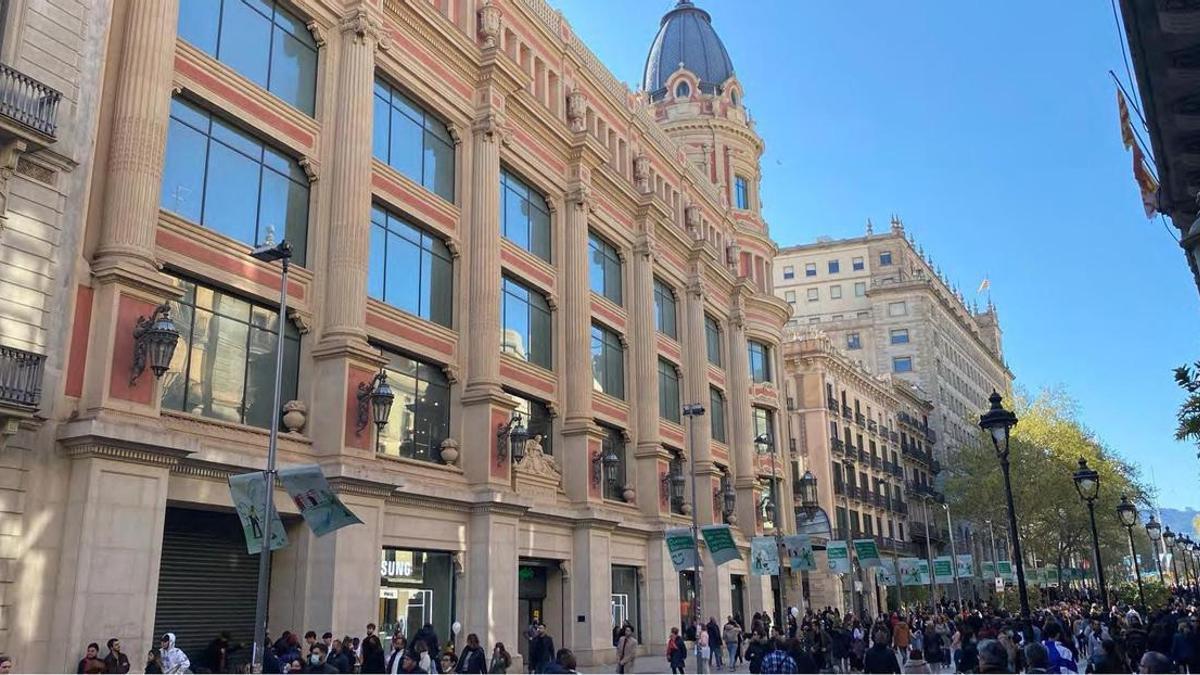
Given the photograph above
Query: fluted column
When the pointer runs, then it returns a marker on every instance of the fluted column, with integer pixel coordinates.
(137, 150)
(696, 391)
(740, 442)
(350, 183)
(644, 361)
(483, 340)
(577, 399)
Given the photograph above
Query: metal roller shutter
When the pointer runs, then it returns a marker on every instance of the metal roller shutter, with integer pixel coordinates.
(206, 583)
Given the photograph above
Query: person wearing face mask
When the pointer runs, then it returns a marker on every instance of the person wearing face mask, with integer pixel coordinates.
(317, 662)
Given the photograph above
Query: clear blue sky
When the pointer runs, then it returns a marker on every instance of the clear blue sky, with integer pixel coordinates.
(991, 128)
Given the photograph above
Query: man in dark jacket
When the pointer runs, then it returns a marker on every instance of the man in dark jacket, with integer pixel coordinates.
(714, 642)
(317, 660)
(473, 660)
(880, 658)
(116, 661)
(541, 650)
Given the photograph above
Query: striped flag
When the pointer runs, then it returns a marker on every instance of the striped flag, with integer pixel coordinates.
(1146, 183)
(1126, 125)
(984, 285)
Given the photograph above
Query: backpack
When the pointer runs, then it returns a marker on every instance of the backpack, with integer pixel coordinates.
(1056, 660)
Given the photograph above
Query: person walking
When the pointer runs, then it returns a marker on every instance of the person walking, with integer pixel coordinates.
(626, 651)
(676, 651)
(901, 639)
(880, 658)
(501, 661)
(115, 661)
(473, 659)
(917, 663)
(715, 654)
(731, 634)
(172, 658)
(777, 659)
(541, 650)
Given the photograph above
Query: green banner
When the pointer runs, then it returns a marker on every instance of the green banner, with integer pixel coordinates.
(943, 569)
(719, 539)
(924, 578)
(1006, 570)
(249, 495)
(764, 556)
(989, 569)
(681, 547)
(966, 566)
(910, 571)
(867, 552)
(839, 557)
(800, 552)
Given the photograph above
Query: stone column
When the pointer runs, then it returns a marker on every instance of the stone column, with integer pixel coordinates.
(591, 591)
(577, 366)
(491, 572)
(661, 597)
(741, 444)
(483, 253)
(137, 151)
(350, 183)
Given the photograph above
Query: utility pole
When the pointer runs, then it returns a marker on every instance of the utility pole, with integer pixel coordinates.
(692, 411)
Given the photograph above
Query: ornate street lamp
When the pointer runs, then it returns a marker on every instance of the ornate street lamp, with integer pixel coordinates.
(1169, 538)
(375, 401)
(1128, 514)
(808, 493)
(154, 341)
(612, 466)
(510, 440)
(1154, 531)
(1087, 484)
(999, 422)
(728, 496)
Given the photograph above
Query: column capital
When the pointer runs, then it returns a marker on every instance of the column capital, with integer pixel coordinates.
(359, 26)
(491, 126)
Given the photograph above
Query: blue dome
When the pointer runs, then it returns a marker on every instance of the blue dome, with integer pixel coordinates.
(686, 37)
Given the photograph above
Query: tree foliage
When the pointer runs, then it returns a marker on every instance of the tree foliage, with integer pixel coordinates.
(1188, 378)
(1052, 520)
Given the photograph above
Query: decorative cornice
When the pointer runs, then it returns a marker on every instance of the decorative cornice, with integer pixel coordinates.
(89, 447)
(362, 487)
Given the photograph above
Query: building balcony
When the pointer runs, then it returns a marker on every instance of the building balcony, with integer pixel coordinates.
(835, 444)
(872, 426)
(863, 456)
(860, 419)
(832, 405)
(839, 489)
(20, 388)
(875, 462)
(28, 108)
(847, 412)
(894, 436)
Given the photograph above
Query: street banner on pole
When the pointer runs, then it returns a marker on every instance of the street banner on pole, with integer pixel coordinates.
(839, 557)
(800, 552)
(722, 547)
(966, 566)
(886, 573)
(1005, 568)
(681, 547)
(1051, 572)
(764, 556)
(924, 565)
(988, 569)
(249, 494)
(910, 572)
(868, 552)
(321, 508)
(943, 569)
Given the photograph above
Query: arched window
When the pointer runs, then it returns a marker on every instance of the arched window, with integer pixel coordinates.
(733, 97)
(682, 90)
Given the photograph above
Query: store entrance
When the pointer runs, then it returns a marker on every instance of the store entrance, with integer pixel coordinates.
(539, 599)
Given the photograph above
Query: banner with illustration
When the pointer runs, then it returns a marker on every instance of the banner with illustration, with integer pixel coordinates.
(800, 552)
(839, 557)
(924, 580)
(885, 574)
(720, 543)
(1006, 570)
(249, 497)
(764, 556)
(966, 566)
(681, 547)
(318, 504)
(867, 551)
(988, 569)
(910, 571)
(943, 569)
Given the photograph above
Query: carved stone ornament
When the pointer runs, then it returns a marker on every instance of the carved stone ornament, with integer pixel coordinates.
(294, 416)
(629, 495)
(450, 451)
(318, 33)
(580, 197)
(310, 169)
(537, 462)
(696, 287)
(692, 217)
(647, 247)
(456, 561)
(641, 173)
(302, 322)
(576, 110)
(451, 372)
(489, 24)
(359, 25)
(492, 127)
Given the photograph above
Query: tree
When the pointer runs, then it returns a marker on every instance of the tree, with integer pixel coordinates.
(1188, 379)
(1043, 453)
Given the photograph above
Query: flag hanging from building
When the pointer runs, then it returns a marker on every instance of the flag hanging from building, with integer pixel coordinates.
(1126, 126)
(885, 574)
(910, 571)
(837, 555)
(867, 551)
(764, 556)
(249, 497)
(984, 285)
(681, 547)
(943, 569)
(321, 508)
(965, 566)
(800, 552)
(720, 543)
(1147, 186)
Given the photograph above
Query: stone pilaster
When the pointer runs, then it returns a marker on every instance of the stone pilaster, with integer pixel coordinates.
(741, 443)
(491, 578)
(578, 429)
(695, 390)
(483, 285)
(643, 365)
(137, 151)
(591, 595)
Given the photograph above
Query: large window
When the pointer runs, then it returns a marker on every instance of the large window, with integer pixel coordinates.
(810, 269)
(412, 141)
(835, 266)
(229, 181)
(525, 321)
(762, 419)
(741, 192)
(664, 310)
(760, 361)
(789, 272)
(712, 339)
(853, 341)
(716, 414)
(524, 216)
(614, 440)
(224, 365)
(261, 40)
(902, 364)
(899, 336)
(668, 391)
(885, 258)
(410, 268)
(856, 263)
(608, 362)
(604, 268)
(536, 417)
(420, 417)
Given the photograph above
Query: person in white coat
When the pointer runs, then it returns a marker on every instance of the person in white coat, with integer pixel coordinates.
(173, 659)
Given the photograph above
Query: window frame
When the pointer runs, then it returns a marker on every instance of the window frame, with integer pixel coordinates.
(810, 269)
(542, 423)
(665, 322)
(611, 260)
(670, 404)
(835, 292)
(814, 295)
(713, 340)
(436, 255)
(897, 360)
(857, 264)
(834, 266)
(885, 258)
(895, 333)
(853, 341)
(789, 272)
(430, 124)
(610, 342)
(716, 405)
(435, 378)
(513, 185)
(763, 350)
(741, 192)
(536, 302)
(860, 289)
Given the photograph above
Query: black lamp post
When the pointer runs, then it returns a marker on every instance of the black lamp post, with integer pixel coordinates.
(999, 422)
(1127, 512)
(1154, 531)
(1168, 538)
(1087, 484)
(764, 444)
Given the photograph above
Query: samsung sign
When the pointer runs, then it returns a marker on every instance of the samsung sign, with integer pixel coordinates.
(405, 567)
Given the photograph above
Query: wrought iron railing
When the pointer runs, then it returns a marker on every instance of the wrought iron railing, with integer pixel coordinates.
(27, 101)
(20, 377)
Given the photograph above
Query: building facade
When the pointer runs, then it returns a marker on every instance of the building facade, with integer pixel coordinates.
(862, 437)
(883, 301)
(478, 210)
